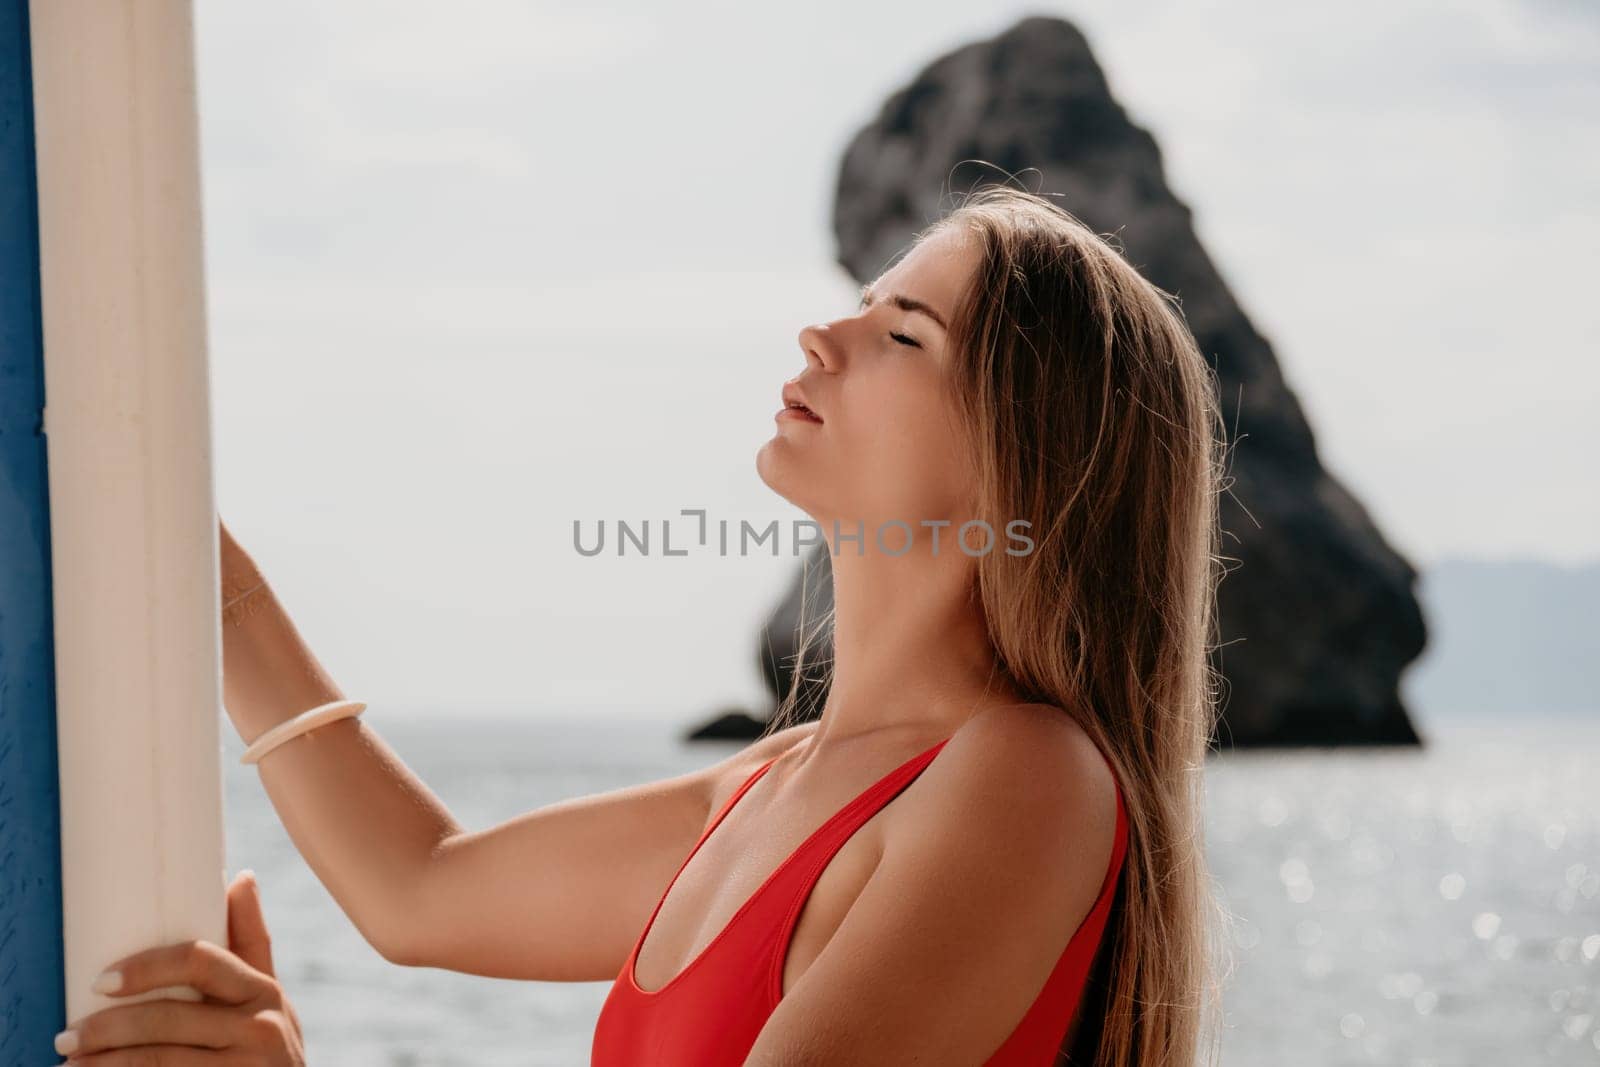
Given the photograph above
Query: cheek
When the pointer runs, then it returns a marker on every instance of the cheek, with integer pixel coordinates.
(910, 459)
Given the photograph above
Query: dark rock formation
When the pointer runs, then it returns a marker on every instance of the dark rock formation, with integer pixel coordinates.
(1318, 617)
(735, 724)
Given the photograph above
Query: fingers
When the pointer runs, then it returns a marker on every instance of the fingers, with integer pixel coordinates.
(209, 969)
(247, 927)
(151, 1022)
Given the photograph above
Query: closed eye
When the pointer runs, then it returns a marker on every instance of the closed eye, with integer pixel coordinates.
(903, 339)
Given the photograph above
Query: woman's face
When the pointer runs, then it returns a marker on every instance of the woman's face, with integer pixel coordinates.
(886, 446)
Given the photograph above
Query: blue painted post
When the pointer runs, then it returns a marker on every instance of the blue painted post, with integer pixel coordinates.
(32, 998)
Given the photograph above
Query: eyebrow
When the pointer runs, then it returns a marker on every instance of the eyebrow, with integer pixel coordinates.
(904, 303)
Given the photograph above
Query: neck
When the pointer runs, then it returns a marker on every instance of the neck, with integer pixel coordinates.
(911, 648)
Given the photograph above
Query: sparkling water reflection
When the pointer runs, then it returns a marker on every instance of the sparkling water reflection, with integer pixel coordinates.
(1413, 907)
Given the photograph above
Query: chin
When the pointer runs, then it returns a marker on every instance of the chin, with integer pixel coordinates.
(778, 472)
(769, 467)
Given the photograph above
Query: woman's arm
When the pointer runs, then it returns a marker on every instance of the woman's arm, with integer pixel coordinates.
(561, 893)
(557, 894)
(364, 823)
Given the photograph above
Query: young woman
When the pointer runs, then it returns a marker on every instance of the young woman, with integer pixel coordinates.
(989, 848)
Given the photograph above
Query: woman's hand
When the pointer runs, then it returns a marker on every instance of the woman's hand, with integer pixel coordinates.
(244, 1017)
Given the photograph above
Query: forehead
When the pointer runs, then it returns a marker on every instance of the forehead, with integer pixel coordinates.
(935, 271)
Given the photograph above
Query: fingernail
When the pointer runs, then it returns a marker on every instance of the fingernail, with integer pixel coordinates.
(107, 982)
(67, 1042)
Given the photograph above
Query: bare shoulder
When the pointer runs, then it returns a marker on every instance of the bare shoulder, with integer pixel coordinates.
(729, 774)
(1018, 740)
(989, 867)
(1031, 776)
(776, 743)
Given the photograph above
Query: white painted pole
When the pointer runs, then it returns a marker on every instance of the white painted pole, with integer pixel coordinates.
(133, 532)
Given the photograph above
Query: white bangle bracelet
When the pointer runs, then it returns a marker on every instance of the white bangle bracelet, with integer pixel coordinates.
(306, 720)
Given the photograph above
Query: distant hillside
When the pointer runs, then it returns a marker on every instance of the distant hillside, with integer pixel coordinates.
(1508, 637)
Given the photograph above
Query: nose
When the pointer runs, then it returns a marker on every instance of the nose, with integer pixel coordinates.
(821, 348)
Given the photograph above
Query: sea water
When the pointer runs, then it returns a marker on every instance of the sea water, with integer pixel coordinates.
(1412, 907)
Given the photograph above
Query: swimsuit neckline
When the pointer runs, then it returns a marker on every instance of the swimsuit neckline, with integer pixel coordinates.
(863, 797)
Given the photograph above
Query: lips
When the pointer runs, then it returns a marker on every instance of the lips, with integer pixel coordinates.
(795, 400)
(801, 411)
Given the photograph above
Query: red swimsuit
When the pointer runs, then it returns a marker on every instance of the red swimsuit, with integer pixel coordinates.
(711, 1013)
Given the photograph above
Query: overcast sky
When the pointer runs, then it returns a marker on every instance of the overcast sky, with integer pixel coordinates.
(478, 270)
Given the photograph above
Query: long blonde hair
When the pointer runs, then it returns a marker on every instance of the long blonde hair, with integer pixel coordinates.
(1093, 415)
